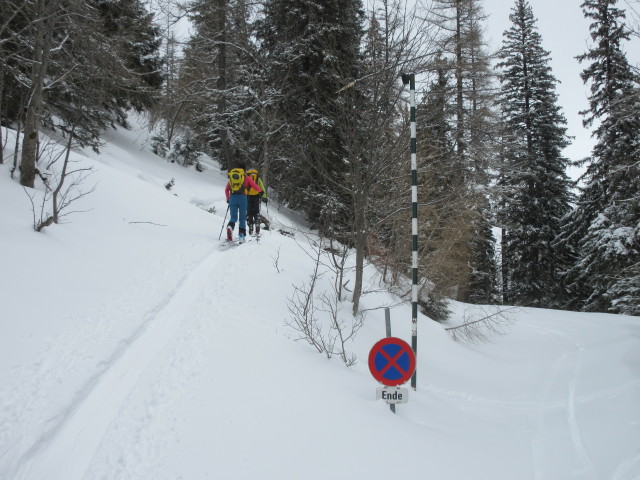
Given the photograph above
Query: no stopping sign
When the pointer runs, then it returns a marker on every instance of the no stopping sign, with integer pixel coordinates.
(392, 361)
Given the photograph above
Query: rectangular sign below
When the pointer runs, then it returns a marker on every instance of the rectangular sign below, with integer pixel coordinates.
(392, 394)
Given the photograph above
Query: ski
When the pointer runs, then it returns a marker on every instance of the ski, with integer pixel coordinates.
(233, 243)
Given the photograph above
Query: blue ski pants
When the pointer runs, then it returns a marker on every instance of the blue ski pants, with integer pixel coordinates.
(238, 208)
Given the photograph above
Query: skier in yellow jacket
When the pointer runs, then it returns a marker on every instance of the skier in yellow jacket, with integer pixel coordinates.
(254, 196)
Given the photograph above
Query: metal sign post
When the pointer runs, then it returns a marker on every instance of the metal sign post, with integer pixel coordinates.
(387, 322)
(410, 79)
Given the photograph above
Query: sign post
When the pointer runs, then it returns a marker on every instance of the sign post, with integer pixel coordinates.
(387, 322)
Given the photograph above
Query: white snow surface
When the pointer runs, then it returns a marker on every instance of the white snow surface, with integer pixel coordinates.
(133, 347)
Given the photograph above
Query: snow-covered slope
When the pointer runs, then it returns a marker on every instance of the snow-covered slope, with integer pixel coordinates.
(132, 347)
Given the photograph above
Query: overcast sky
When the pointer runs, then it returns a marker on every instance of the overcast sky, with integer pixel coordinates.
(565, 34)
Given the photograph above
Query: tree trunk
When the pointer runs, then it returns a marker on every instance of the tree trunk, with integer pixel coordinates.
(505, 267)
(41, 51)
(360, 232)
(264, 172)
(459, 86)
(2, 63)
(221, 38)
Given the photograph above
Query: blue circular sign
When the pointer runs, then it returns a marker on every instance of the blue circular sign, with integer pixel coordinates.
(392, 361)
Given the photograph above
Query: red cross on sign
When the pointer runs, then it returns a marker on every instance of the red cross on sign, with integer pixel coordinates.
(392, 361)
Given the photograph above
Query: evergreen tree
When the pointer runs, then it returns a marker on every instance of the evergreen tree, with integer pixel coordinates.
(80, 63)
(483, 272)
(99, 89)
(535, 192)
(129, 30)
(604, 230)
(217, 81)
(313, 50)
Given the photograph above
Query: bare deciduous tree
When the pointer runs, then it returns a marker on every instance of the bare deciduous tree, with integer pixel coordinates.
(65, 189)
(480, 325)
(315, 313)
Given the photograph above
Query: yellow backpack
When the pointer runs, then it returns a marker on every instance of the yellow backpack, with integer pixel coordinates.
(253, 173)
(236, 179)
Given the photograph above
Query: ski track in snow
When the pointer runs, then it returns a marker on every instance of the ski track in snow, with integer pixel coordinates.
(588, 468)
(147, 421)
(629, 469)
(66, 451)
(545, 442)
(554, 415)
(532, 406)
(153, 414)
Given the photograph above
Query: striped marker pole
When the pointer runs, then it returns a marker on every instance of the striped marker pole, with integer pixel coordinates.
(410, 79)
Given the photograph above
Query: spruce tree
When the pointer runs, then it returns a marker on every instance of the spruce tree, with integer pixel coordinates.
(216, 82)
(535, 191)
(80, 63)
(313, 50)
(604, 229)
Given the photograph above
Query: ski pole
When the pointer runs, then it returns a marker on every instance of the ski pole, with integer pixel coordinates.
(267, 218)
(225, 219)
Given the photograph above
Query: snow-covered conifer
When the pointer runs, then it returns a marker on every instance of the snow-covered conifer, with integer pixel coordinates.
(534, 189)
(605, 229)
(313, 50)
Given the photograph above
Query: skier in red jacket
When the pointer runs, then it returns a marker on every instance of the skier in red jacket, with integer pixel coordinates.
(236, 193)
